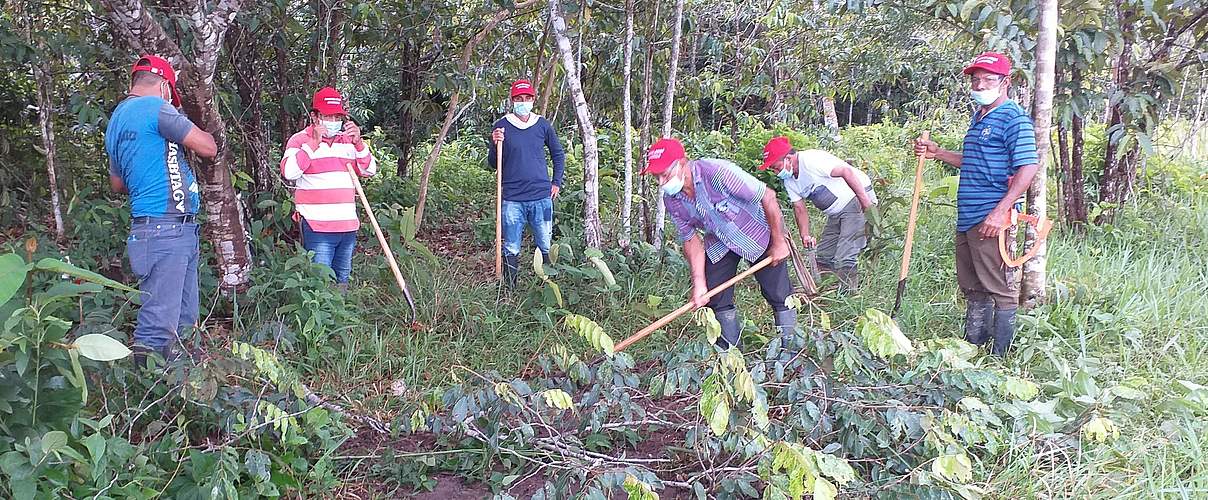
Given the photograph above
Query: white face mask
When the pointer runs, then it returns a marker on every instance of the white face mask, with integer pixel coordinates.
(165, 91)
(986, 97)
(332, 128)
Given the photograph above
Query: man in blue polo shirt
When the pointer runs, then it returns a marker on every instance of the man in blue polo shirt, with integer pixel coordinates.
(997, 163)
(528, 191)
(144, 141)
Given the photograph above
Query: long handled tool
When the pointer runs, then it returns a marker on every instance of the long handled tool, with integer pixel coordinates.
(914, 214)
(805, 270)
(688, 307)
(398, 275)
(499, 210)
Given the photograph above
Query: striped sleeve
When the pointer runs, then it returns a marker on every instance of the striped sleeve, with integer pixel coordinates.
(1020, 139)
(366, 163)
(737, 183)
(297, 157)
(683, 225)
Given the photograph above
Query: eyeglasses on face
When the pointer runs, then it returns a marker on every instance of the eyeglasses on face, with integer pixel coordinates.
(988, 80)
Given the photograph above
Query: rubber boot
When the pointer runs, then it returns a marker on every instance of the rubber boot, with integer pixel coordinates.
(1004, 331)
(545, 259)
(731, 331)
(511, 268)
(979, 319)
(849, 279)
(140, 356)
(342, 288)
(161, 357)
(786, 322)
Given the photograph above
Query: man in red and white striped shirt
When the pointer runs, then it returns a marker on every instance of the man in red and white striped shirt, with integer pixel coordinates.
(317, 160)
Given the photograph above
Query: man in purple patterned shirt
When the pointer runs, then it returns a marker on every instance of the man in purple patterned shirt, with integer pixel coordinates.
(739, 218)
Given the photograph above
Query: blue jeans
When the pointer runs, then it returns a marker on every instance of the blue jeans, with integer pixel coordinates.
(536, 214)
(333, 250)
(163, 255)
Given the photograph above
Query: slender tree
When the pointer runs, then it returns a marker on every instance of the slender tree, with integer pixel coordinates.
(592, 229)
(627, 110)
(44, 86)
(133, 24)
(660, 215)
(1031, 289)
(463, 66)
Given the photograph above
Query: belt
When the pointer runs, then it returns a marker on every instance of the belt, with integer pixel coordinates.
(167, 219)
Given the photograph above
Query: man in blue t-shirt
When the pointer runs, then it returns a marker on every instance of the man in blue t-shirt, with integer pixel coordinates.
(144, 141)
(997, 163)
(528, 192)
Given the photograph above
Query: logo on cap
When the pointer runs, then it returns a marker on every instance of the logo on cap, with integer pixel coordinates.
(655, 154)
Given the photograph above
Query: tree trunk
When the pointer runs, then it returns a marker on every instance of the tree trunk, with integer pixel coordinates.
(627, 110)
(830, 116)
(451, 113)
(550, 79)
(249, 77)
(45, 90)
(46, 94)
(132, 23)
(660, 215)
(285, 125)
(1119, 169)
(1063, 178)
(331, 15)
(644, 136)
(409, 88)
(539, 64)
(1032, 285)
(1076, 193)
(592, 230)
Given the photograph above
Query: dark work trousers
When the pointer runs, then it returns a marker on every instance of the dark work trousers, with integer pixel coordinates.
(773, 282)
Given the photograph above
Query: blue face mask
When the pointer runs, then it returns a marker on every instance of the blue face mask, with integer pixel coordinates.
(522, 108)
(673, 186)
(784, 174)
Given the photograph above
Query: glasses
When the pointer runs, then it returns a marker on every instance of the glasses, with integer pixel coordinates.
(989, 80)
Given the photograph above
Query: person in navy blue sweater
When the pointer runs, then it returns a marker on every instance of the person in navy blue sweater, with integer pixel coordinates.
(528, 191)
(997, 163)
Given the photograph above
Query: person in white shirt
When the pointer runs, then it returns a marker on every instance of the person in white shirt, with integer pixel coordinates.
(839, 190)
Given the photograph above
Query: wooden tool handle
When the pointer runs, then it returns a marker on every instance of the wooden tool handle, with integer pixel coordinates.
(398, 275)
(499, 210)
(914, 211)
(688, 307)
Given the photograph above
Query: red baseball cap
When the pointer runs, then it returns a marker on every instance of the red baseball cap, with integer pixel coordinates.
(328, 101)
(522, 87)
(159, 66)
(990, 61)
(662, 155)
(775, 150)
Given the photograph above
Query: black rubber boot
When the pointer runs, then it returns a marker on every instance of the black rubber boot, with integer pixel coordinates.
(979, 321)
(140, 356)
(1004, 331)
(786, 322)
(145, 357)
(731, 331)
(511, 268)
(545, 259)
